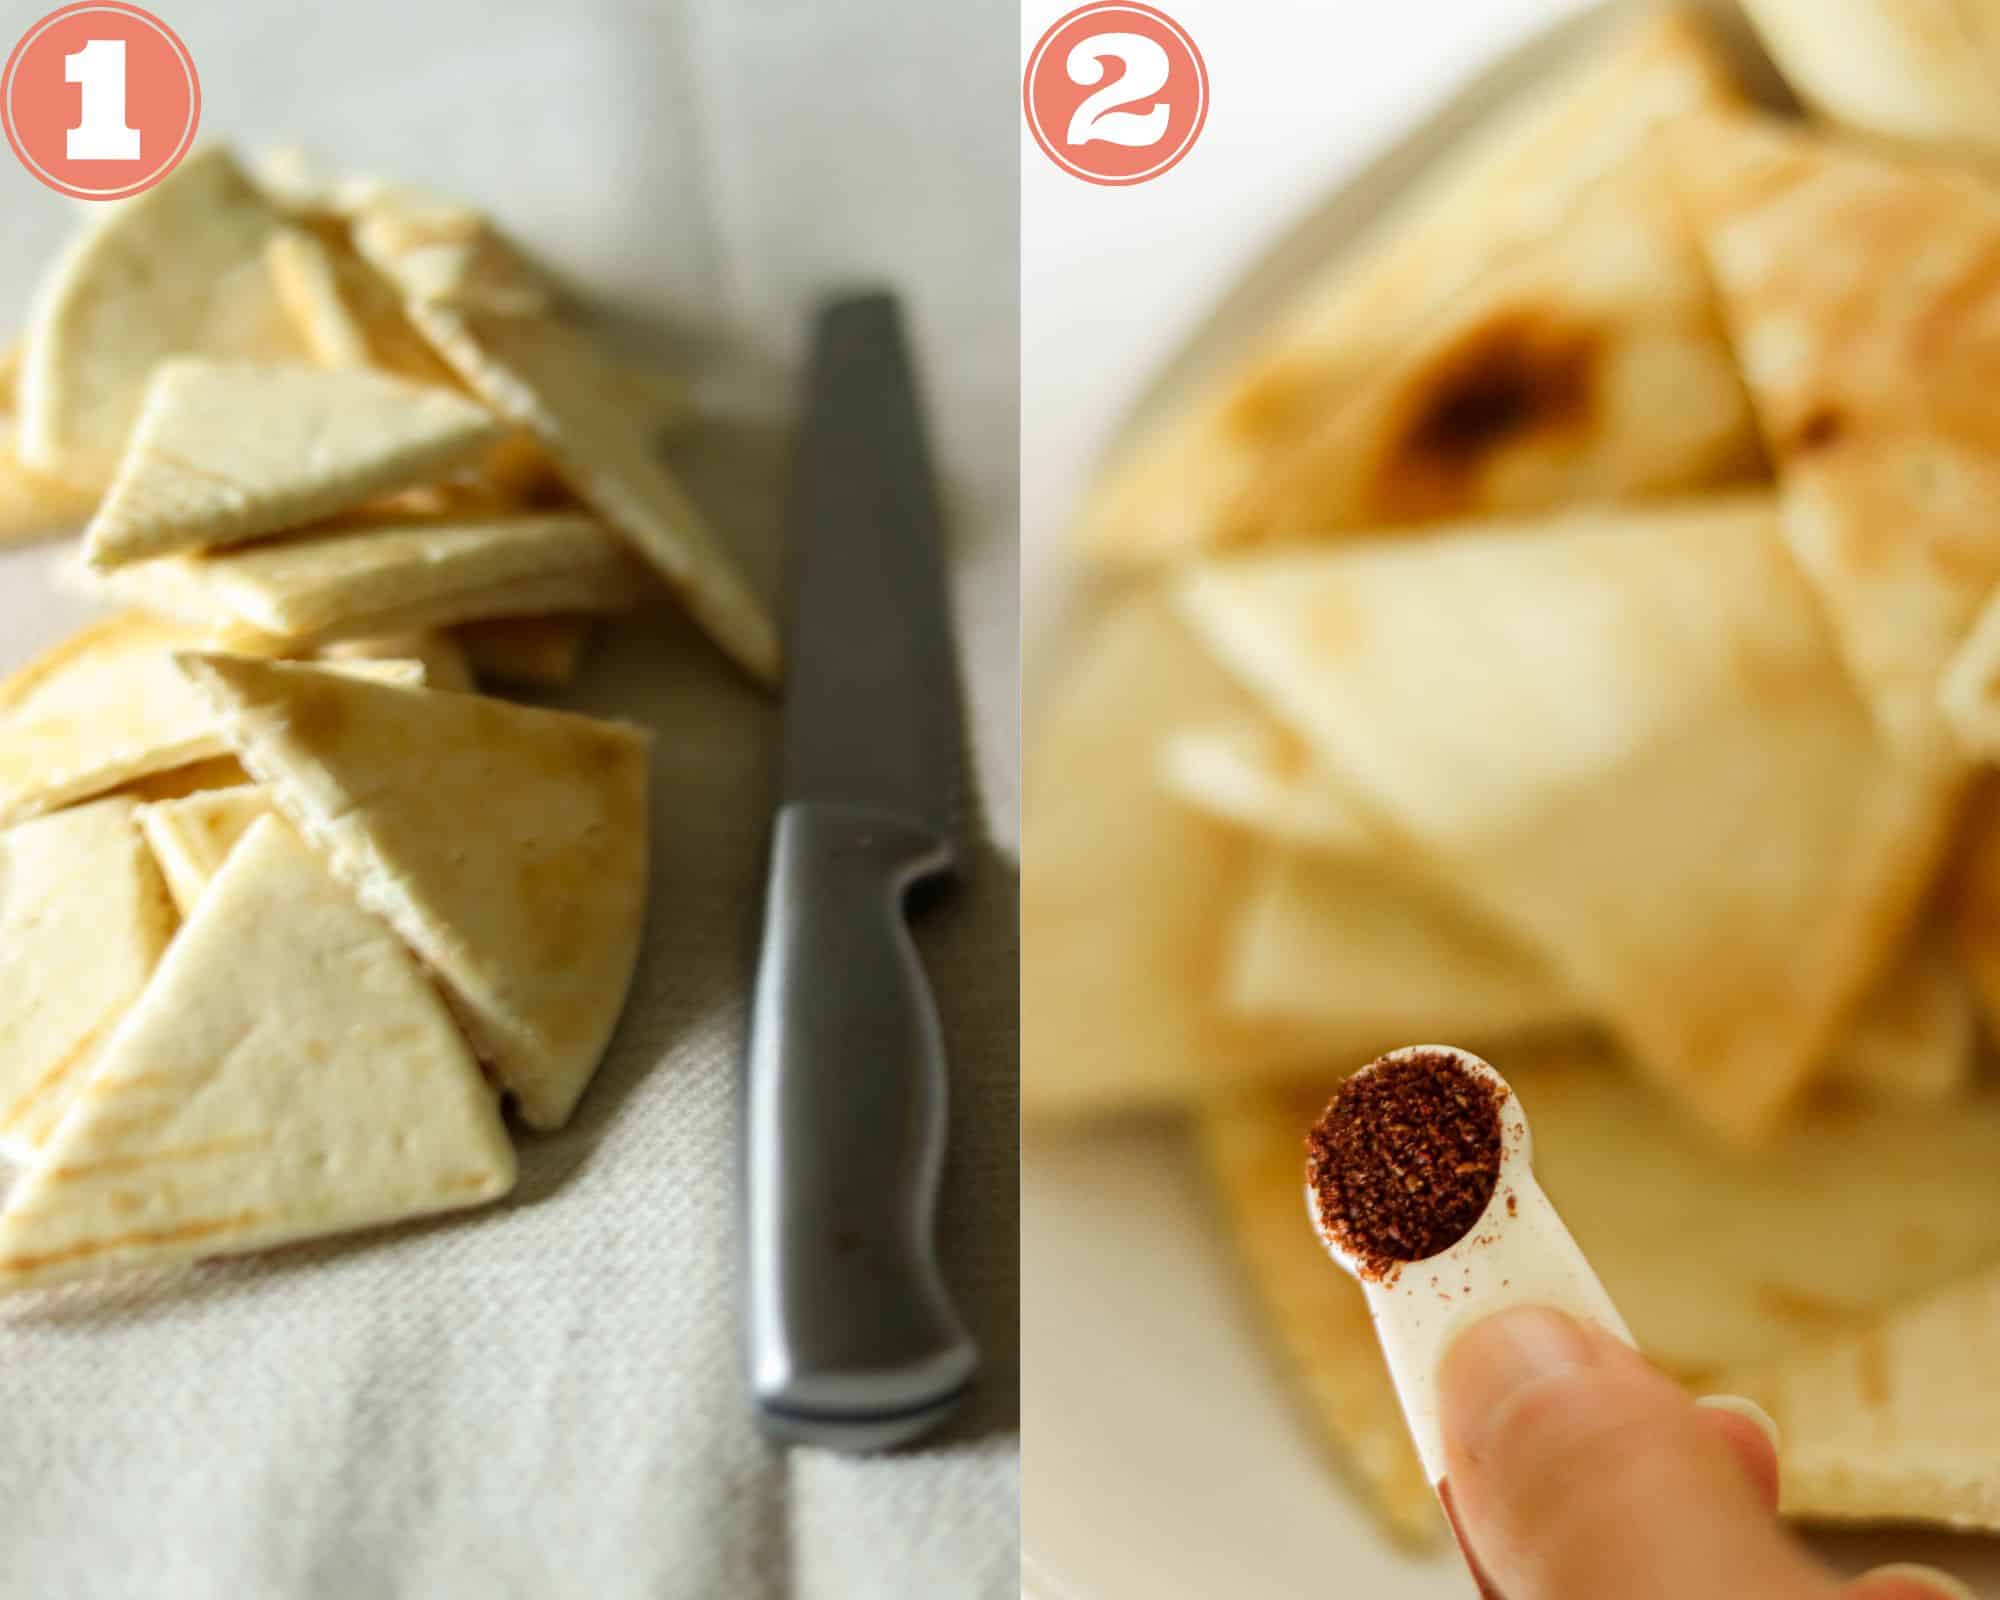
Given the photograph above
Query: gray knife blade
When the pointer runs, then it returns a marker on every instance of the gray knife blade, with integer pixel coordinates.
(853, 1342)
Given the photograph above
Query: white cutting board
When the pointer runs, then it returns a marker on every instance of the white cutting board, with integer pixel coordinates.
(1162, 1460)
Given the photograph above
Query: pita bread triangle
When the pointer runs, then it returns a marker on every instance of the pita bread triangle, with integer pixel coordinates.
(225, 452)
(1350, 947)
(1312, 945)
(1188, 479)
(392, 570)
(1121, 957)
(177, 270)
(1861, 297)
(1893, 1421)
(546, 375)
(100, 709)
(107, 708)
(444, 660)
(1920, 76)
(1420, 672)
(1589, 368)
(530, 921)
(192, 836)
(83, 919)
(288, 1073)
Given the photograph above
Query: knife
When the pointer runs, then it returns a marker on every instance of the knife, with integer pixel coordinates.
(853, 1342)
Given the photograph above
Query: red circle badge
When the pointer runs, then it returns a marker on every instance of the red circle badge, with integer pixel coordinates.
(1116, 92)
(100, 100)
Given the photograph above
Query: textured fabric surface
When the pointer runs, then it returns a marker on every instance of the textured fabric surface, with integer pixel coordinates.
(546, 1398)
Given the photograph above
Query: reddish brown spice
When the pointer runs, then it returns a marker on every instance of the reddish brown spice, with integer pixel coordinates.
(1404, 1159)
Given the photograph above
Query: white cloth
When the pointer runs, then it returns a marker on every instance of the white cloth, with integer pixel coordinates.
(545, 1399)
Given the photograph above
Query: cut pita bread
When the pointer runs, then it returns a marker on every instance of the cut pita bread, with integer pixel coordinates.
(177, 270)
(1720, 1258)
(531, 920)
(289, 1073)
(380, 573)
(100, 709)
(107, 707)
(346, 311)
(1894, 1421)
(83, 919)
(1919, 72)
(1344, 946)
(1519, 705)
(191, 837)
(445, 664)
(1352, 948)
(535, 652)
(1126, 895)
(226, 452)
(1862, 300)
(1182, 477)
(219, 772)
(549, 376)
(298, 180)
(308, 285)
(351, 315)
(1259, 775)
(1589, 368)
(442, 252)
(1254, 1146)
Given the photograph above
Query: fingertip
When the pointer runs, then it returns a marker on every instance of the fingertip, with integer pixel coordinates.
(1909, 1581)
(1747, 1410)
(1752, 1437)
(1497, 1357)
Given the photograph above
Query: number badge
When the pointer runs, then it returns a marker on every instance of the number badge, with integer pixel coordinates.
(101, 100)
(1116, 92)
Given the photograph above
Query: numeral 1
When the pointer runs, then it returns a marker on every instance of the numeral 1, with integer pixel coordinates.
(100, 134)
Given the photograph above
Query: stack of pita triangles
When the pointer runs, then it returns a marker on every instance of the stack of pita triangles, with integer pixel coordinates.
(384, 890)
(287, 1073)
(1576, 634)
(224, 370)
(1529, 327)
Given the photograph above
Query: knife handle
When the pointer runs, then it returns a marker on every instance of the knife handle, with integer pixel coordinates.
(853, 1341)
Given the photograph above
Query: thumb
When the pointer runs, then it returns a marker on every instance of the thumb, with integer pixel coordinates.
(1577, 1470)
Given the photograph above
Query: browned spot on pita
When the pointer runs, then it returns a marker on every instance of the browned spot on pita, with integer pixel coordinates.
(140, 1160)
(116, 1088)
(1794, 1305)
(1822, 428)
(1872, 1363)
(14, 1266)
(1518, 375)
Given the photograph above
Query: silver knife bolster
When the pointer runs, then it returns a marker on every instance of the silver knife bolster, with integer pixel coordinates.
(852, 1338)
